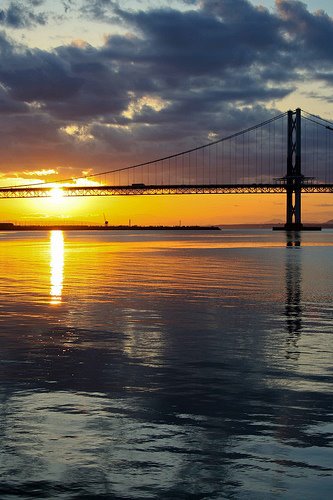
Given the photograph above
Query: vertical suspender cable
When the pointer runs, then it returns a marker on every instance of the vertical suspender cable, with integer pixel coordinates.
(230, 162)
(269, 152)
(326, 156)
(203, 166)
(256, 157)
(317, 151)
(216, 150)
(243, 160)
(209, 180)
(304, 144)
(273, 154)
(261, 152)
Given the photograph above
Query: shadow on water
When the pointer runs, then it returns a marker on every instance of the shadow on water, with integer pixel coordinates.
(293, 307)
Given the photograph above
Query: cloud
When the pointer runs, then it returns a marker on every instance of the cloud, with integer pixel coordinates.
(21, 15)
(200, 42)
(68, 5)
(311, 32)
(9, 106)
(100, 10)
(172, 79)
(40, 173)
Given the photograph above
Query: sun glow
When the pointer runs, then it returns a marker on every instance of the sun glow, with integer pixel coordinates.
(56, 194)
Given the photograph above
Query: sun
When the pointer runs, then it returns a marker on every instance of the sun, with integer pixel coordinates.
(56, 194)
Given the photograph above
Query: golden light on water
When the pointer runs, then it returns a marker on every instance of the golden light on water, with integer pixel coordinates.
(57, 266)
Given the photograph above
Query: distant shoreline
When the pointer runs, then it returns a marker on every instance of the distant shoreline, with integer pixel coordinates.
(78, 227)
(272, 224)
(8, 226)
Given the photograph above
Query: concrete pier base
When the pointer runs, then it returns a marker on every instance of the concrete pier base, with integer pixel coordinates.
(296, 227)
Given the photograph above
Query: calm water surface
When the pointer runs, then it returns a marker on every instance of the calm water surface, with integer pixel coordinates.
(166, 365)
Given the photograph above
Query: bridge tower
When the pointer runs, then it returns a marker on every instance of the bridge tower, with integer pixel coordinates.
(294, 177)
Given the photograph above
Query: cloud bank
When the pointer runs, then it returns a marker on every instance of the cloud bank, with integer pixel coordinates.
(170, 81)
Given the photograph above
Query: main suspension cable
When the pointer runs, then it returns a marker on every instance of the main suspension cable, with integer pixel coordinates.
(150, 162)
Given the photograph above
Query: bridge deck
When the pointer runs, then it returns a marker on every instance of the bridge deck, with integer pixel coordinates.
(45, 192)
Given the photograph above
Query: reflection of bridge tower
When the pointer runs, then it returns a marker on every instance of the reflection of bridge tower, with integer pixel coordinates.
(293, 307)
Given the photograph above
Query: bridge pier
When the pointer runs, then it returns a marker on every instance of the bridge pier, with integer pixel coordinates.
(294, 175)
(294, 209)
(294, 178)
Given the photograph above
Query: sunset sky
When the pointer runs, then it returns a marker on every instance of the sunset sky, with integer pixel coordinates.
(92, 85)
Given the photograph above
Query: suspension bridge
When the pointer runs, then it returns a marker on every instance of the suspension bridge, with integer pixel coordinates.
(290, 153)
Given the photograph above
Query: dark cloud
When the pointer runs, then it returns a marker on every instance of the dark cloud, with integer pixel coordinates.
(36, 3)
(173, 76)
(9, 106)
(68, 5)
(38, 76)
(311, 33)
(100, 10)
(198, 42)
(21, 15)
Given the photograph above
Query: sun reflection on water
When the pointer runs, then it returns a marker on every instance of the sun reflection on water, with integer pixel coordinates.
(57, 266)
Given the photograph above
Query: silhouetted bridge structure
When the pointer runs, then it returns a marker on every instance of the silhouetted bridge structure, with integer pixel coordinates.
(290, 153)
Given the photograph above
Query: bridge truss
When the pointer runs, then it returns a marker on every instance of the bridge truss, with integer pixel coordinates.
(161, 190)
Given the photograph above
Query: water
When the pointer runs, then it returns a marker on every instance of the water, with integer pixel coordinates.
(166, 365)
